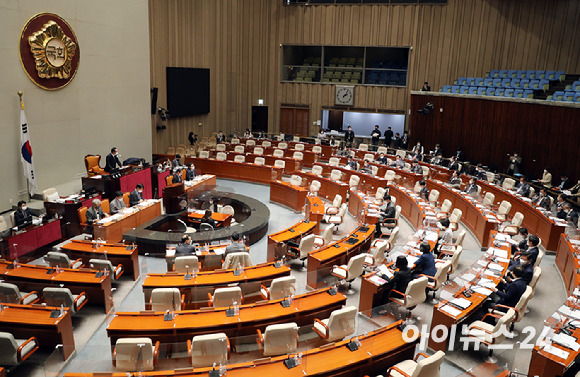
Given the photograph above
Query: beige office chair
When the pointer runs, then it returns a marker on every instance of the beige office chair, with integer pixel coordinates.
(413, 296)
(317, 170)
(299, 147)
(50, 195)
(455, 218)
(489, 334)
(434, 197)
(335, 206)
(336, 175)
(220, 147)
(428, 367)
(279, 288)
(450, 248)
(436, 282)
(369, 157)
(296, 180)
(325, 236)
(337, 219)
(401, 153)
(266, 143)
(351, 271)
(63, 296)
(407, 167)
(283, 145)
(489, 199)
(221, 156)
(305, 246)
(163, 299)
(58, 259)
(541, 254)
(250, 142)
(445, 209)
(235, 140)
(374, 170)
(379, 195)
(258, 151)
(534, 282)
(135, 354)
(186, 264)
(504, 210)
(426, 171)
(278, 153)
(363, 147)
(242, 257)
(514, 226)
(353, 182)
(314, 188)
(239, 149)
(261, 161)
(203, 154)
(210, 349)
(106, 265)
(280, 164)
(376, 253)
(382, 150)
(3, 224)
(15, 351)
(452, 257)
(341, 323)
(333, 161)
(279, 339)
(298, 156)
(390, 176)
(520, 308)
(317, 149)
(508, 183)
(239, 158)
(225, 297)
(10, 294)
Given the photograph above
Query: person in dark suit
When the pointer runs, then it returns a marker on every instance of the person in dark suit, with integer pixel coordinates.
(387, 215)
(399, 163)
(480, 173)
(112, 161)
(185, 247)
(375, 135)
(511, 292)
(565, 183)
(397, 142)
(424, 190)
(436, 151)
(528, 269)
(22, 216)
(471, 188)
(117, 204)
(568, 214)
(455, 180)
(190, 172)
(136, 195)
(191, 137)
(177, 176)
(348, 137)
(459, 154)
(220, 137)
(426, 263)
(533, 250)
(416, 168)
(235, 246)
(352, 164)
(176, 161)
(426, 87)
(514, 164)
(400, 280)
(381, 159)
(453, 164)
(523, 188)
(388, 137)
(206, 219)
(542, 199)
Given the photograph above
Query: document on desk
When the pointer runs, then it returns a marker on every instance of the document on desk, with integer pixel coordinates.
(495, 267)
(497, 252)
(567, 341)
(450, 310)
(557, 352)
(482, 290)
(467, 277)
(461, 302)
(377, 280)
(220, 250)
(486, 283)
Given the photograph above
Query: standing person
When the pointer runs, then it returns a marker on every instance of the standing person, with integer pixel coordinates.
(22, 216)
(388, 137)
(191, 137)
(136, 195)
(405, 140)
(426, 87)
(397, 142)
(348, 137)
(546, 178)
(514, 164)
(375, 135)
(112, 161)
(117, 204)
(247, 133)
(459, 154)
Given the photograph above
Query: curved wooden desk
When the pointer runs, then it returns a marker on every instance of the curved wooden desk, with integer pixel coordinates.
(188, 323)
(236, 170)
(568, 262)
(30, 277)
(290, 164)
(328, 188)
(413, 211)
(197, 288)
(358, 206)
(314, 210)
(291, 196)
(125, 255)
(294, 233)
(113, 231)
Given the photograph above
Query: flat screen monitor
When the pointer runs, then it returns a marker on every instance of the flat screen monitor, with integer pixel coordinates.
(187, 91)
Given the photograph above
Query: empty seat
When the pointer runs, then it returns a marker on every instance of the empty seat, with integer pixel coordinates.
(220, 147)
(10, 294)
(454, 218)
(481, 90)
(279, 339)
(225, 297)
(325, 236)
(58, 259)
(488, 199)
(63, 296)
(299, 147)
(106, 266)
(314, 187)
(428, 367)
(278, 153)
(240, 158)
(341, 323)
(250, 142)
(514, 226)
(296, 180)
(235, 140)
(283, 145)
(266, 143)
(258, 151)
(363, 147)
(50, 195)
(135, 354)
(210, 349)
(317, 170)
(489, 334)
(472, 90)
(335, 206)
(504, 210)
(351, 271)
(317, 149)
(163, 299)
(15, 351)
(203, 154)
(508, 183)
(298, 156)
(186, 264)
(279, 288)
(239, 149)
(221, 156)
(260, 161)
(333, 161)
(280, 164)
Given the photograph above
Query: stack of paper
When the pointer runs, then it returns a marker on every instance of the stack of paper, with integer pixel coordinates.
(567, 341)
(557, 352)
(377, 280)
(450, 310)
(461, 302)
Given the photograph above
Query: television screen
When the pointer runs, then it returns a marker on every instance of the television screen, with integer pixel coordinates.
(187, 91)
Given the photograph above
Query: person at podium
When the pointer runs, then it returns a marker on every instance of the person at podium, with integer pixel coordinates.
(22, 216)
(112, 161)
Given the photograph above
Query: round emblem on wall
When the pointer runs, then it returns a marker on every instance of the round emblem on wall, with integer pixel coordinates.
(49, 51)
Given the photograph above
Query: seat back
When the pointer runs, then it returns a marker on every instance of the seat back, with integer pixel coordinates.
(280, 164)
(446, 206)
(203, 154)
(203, 227)
(317, 170)
(504, 207)
(82, 213)
(378, 252)
(260, 161)
(518, 219)
(92, 164)
(390, 175)
(3, 224)
(336, 175)
(298, 156)
(394, 234)
(105, 206)
(59, 296)
(250, 142)
(415, 293)
(499, 332)
(209, 349)
(326, 234)
(283, 145)
(186, 264)
(50, 195)
(282, 287)
(306, 245)
(461, 237)
(433, 196)
(9, 347)
(235, 140)
(342, 210)
(170, 150)
(240, 158)
(508, 183)
(355, 267)
(163, 299)
(259, 151)
(224, 297)
(341, 323)
(440, 275)
(430, 366)
(57, 259)
(401, 153)
(455, 258)
(280, 339)
(382, 150)
(363, 147)
(101, 265)
(374, 170)
(169, 180)
(314, 186)
(337, 200)
(523, 303)
(317, 149)
(535, 277)
(266, 143)
(333, 161)
(456, 215)
(488, 199)
(354, 181)
(228, 210)
(9, 293)
(380, 194)
(221, 156)
(278, 153)
(134, 354)
(220, 147)
(241, 257)
(369, 156)
(541, 254)
(299, 147)
(239, 149)
(296, 180)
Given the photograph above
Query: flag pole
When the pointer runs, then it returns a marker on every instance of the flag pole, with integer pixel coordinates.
(21, 103)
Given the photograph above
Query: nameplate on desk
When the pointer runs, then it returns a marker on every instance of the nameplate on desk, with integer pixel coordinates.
(278, 264)
(332, 292)
(9, 266)
(352, 346)
(291, 230)
(290, 363)
(352, 241)
(129, 248)
(237, 272)
(55, 314)
(285, 303)
(187, 277)
(230, 312)
(364, 229)
(99, 274)
(168, 317)
(50, 271)
(214, 373)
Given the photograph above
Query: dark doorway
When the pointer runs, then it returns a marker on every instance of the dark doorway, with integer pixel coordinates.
(260, 119)
(335, 120)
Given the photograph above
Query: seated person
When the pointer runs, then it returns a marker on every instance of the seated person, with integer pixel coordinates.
(417, 152)
(445, 236)
(417, 169)
(235, 246)
(190, 172)
(542, 199)
(177, 176)
(521, 236)
(520, 247)
(22, 216)
(453, 164)
(509, 293)
(136, 195)
(568, 214)
(471, 188)
(247, 133)
(94, 214)
(387, 213)
(559, 204)
(176, 161)
(351, 164)
(533, 249)
(400, 280)
(425, 265)
(523, 188)
(455, 180)
(366, 168)
(524, 262)
(424, 193)
(321, 134)
(398, 163)
(480, 173)
(381, 159)
(117, 204)
(206, 219)
(185, 247)
(437, 159)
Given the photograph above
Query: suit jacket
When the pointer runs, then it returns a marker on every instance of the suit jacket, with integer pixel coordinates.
(565, 184)
(523, 189)
(349, 136)
(116, 205)
(112, 162)
(185, 249)
(398, 164)
(471, 189)
(528, 271)
(22, 218)
(93, 215)
(134, 198)
(533, 251)
(235, 247)
(398, 143)
(389, 212)
(417, 169)
(381, 160)
(570, 216)
(543, 201)
(177, 178)
(388, 136)
(400, 280)
(454, 165)
(425, 265)
(512, 293)
(190, 174)
(425, 193)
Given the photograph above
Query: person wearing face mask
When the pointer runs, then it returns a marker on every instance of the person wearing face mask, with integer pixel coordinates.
(112, 161)
(546, 179)
(543, 200)
(23, 216)
(568, 214)
(525, 263)
(136, 195)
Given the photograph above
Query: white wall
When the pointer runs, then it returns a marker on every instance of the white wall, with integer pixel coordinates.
(106, 104)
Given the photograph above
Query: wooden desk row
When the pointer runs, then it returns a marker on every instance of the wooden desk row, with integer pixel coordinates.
(327, 150)
(308, 158)
(568, 262)
(113, 231)
(293, 197)
(294, 233)
(67, 210)
(30, 239)
(130, 177)
(196, 289)
(379, 350)
(328, 188)
(209, 260)
(188, 323)
(236, 170)
(30, 277)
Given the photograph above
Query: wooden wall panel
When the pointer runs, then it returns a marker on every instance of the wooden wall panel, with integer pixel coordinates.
(239, 40)
(545, 135)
